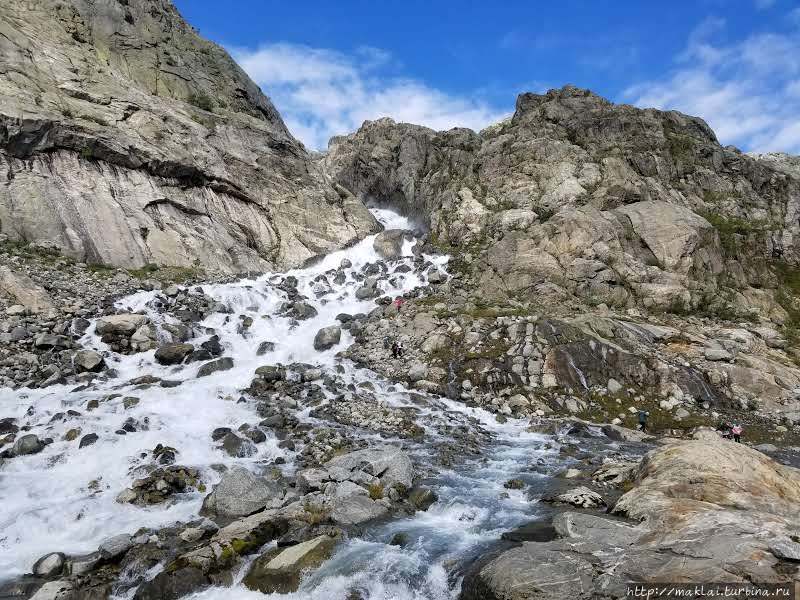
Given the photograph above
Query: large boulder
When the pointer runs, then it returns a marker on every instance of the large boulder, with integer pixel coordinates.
(24, 291)
(124, 324)
(327, 337)
(88, 361)
(389, 243)
(392, 466)
(240, 493)
(221, 364)
(173, 353)
(281, 572)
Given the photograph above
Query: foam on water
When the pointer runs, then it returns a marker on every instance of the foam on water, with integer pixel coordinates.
(63, 499)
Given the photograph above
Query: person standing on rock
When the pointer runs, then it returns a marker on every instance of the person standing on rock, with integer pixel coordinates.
(736, 432)
(643, 414)
(398, 302)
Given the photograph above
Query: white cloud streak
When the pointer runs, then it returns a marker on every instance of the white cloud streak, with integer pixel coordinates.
(322, 93)
(749, 91)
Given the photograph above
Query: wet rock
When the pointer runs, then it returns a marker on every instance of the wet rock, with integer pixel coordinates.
(88, 361)
(422, 498)
(27, 444)
(241, 493)
(392, 466)
(281, 572)
(114, 547)
(221, 364)
(88, 440)
(173, 584)
(265, 347)
(49, 566)
(389, 243)
(237, 447)
(213, 346)
(271, 373)
(173, 353)
(786, 550)
(160, 485)
(48, 340)
(327, 337)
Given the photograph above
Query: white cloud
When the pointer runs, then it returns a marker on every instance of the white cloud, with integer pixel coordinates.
(747, 91)
(322, 93)
(764, 4)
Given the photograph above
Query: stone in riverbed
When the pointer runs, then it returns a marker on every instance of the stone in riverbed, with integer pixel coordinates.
(241, 493)
(221, 364)
(580, 496)
(124, 324)
(327, 337)
(88, 361)
(115, 547)
(88, 440)
(28, 444)
(281, 573)
(389, 243)
(173, 353)
(49, 565)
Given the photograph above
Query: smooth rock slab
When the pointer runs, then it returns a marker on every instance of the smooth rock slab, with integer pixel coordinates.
(282, 573)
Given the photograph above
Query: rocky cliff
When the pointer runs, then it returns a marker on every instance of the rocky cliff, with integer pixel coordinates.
(576, 196)
(127, 139)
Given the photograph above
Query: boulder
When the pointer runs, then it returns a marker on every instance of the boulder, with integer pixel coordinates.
(27, 444)
(88, 361)
(389, 244)
(241, 493)
(49, 566)
(582, 497)
(392, 466)
(221, 364)
(352, 505)
(327, 337)
(281, 573)
(124, 324)
(25, 292)
(173, 353)
(116, 546)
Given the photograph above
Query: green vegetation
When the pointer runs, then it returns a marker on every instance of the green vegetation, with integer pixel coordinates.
(376, 491)
(681, 147)
(730, 229)
(201, 100)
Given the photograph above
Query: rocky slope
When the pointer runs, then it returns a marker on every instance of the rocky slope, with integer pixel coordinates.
(127, 139)
(576, 196)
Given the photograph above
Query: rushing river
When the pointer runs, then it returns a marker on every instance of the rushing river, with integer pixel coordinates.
(63, 499)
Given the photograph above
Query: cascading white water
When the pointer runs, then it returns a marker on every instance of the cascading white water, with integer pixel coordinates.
(63, 499)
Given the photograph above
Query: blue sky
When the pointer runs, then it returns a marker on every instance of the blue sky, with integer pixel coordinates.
(330, 65)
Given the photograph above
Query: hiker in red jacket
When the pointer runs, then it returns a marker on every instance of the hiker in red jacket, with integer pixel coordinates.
(398, 302)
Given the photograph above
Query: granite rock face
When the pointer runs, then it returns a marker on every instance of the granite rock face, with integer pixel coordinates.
(127, 139)
(577, 196)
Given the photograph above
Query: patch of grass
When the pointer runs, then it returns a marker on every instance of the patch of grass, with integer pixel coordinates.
(201, 100)
(376, 491)
(731, 229)
(315, 514)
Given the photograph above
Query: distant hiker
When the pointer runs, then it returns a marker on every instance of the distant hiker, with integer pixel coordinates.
(400, 349)
(397, 349)
(398, 302)
(736, 432)
(643, 414)
(724, 429)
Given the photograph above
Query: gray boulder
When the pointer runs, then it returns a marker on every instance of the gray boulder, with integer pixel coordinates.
(27, 444)
(389, 243)
(241, 493)
(221, 364)
(327, 337)
(88, 361)
(392, 466)
(49, 566)
(124, 324)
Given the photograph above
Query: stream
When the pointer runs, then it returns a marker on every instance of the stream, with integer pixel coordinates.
(63, 498)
